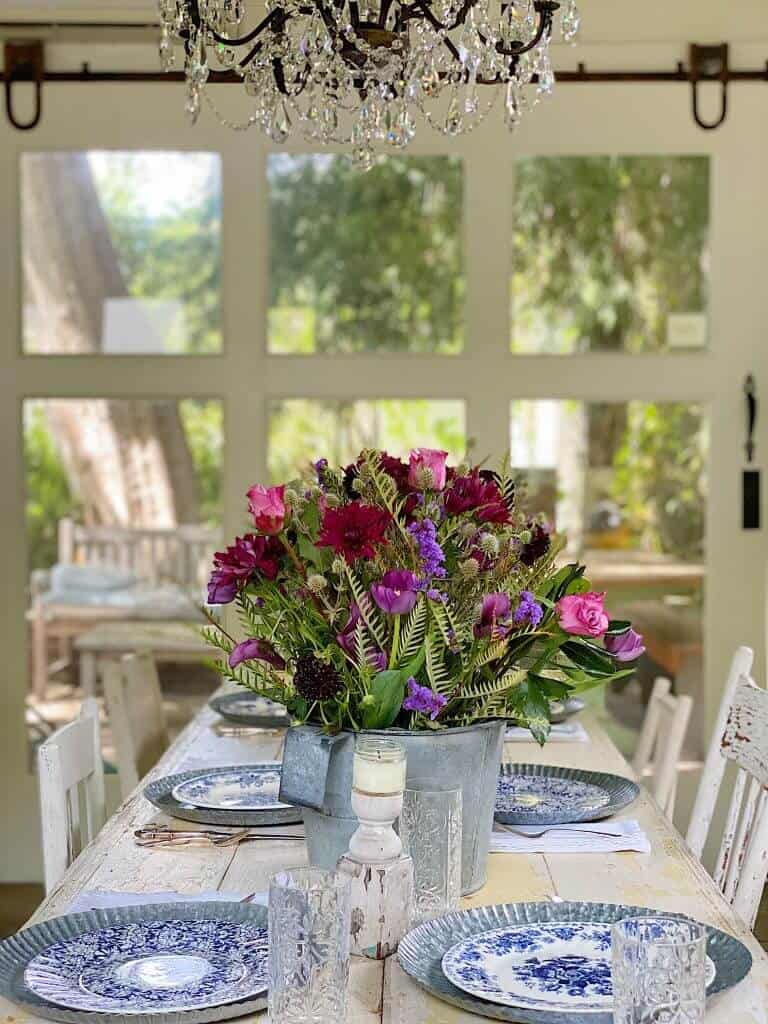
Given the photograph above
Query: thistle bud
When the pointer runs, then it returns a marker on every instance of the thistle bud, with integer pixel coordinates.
(317, 583)
(339, 566)
(469, 569)
(489, 545)
(291, 498)
(467, 530)
(525, 537)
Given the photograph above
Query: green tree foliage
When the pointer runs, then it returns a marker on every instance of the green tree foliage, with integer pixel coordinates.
(49, 497)
(605, 249)
(366, 262)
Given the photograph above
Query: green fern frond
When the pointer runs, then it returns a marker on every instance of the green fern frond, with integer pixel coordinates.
(484, 689)
(454, 635)
(437, 673)
(413, 632)
(368, 612)
(491, 653)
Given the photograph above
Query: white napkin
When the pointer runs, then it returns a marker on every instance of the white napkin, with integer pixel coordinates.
(561, 732)
(102, 899)
(576, 838)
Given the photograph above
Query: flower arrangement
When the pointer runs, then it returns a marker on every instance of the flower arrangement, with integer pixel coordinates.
(413, 595)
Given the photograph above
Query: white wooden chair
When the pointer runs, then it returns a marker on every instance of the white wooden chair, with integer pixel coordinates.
(135, 706)
(71, 776)
(740, 736)
(661, 743)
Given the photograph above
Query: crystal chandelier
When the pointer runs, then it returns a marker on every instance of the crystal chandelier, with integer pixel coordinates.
(358, 72)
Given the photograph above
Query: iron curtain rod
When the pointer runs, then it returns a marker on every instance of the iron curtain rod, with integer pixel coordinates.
(25, 62)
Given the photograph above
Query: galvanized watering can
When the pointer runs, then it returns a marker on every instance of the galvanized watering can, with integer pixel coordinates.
(317, 775)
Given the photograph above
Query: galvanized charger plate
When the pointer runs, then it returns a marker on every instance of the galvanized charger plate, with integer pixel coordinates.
(20, 950)
(249, 709)
(541, 794)
(161, 794)
(421, 953)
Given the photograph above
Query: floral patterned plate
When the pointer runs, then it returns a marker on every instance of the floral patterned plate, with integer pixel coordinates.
(248, 709)
(553, 966)
(246, 788)
(536, 794)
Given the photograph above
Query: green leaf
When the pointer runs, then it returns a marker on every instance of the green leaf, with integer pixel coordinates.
(554, 689)
(591, 684)
(618, 626)
(388, 692)
(558, 585)
(587, 657)
(532, 708)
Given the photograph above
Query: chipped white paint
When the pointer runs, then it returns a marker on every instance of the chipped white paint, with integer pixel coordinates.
(661, 743)
(68, 762)
(381, 900)
(669, 877)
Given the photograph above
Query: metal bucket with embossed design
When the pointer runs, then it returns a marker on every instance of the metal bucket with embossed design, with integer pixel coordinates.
(317, 776)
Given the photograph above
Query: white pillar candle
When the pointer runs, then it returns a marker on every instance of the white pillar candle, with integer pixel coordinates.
(378, 767)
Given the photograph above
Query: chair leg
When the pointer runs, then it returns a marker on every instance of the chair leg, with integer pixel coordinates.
(39, 654)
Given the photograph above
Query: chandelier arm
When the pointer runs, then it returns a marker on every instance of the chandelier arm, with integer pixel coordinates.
(518, 49)
(274, 14)
(422, 6)
(386, 6)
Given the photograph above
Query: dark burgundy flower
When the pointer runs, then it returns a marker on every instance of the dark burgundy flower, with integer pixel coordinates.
(475, 494)
(354, 530)
(234, 567)
(256, 650)
(315, 679)
(537, 546)
(397, 469)
(494, 613)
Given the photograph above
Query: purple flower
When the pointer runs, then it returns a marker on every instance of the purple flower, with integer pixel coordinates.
(423, 700)
(430, 552)
(528, 611)
(346, 641)
(256, 650)
(320, 467)
(396, 594)
(494, 612)
(626, 646)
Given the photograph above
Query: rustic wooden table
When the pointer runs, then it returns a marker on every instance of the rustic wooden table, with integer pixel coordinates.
(668, 878)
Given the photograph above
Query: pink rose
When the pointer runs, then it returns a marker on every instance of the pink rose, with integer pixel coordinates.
(267, 507)
(582, 614)
(426, 469)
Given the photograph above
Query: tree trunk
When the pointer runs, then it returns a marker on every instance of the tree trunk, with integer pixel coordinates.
(127, 459)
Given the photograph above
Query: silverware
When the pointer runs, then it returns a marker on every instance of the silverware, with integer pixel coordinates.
(233, 731)
(187, 837)
(553, 828)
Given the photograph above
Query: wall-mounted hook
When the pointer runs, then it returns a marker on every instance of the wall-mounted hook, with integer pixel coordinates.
(24, 60)
(709, 64)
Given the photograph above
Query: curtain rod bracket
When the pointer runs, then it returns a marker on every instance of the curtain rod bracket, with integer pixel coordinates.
(24, 61)
(709, 64)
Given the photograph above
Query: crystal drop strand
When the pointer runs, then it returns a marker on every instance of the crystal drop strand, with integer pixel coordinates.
(167, 56)
(454, 122)
(546, 75)
(570, 20)
(192, 106)
(363, 158)
(280, 124)
(512, 110)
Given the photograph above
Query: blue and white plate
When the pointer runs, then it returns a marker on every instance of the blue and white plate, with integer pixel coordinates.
(249, 709)
(246, 788)
(422, 951)
(529, 794)
(159, 966)
(178, 963)
(554, 966)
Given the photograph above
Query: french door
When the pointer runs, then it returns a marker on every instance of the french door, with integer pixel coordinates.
(517, 293)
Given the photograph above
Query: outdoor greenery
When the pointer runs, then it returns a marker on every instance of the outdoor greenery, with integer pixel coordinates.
(605, 249)
(366, 262)
(49, 497)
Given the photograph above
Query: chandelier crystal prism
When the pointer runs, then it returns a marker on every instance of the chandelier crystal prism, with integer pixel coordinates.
(361, 72)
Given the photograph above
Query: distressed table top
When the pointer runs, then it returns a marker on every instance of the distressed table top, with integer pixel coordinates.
(668, 878)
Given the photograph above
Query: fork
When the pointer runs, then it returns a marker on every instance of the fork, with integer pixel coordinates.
(554, 828)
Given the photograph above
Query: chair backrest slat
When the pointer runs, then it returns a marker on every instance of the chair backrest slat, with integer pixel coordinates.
(71, 774)
(661, 742)
(714, 765)
(135, 705)
(742, 737)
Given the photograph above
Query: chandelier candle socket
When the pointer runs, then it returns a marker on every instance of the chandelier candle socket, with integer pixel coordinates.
(359, 72)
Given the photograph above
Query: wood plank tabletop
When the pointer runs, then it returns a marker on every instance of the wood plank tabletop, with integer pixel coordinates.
(668, 878)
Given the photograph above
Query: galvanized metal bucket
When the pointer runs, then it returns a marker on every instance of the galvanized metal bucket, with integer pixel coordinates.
(317, 775)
